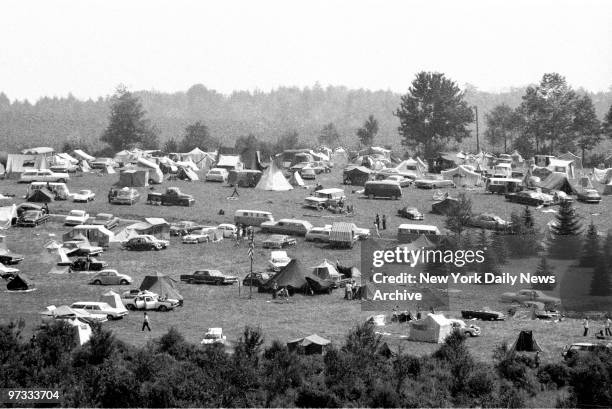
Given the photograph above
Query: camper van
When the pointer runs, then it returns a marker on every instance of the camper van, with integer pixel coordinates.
(252, 217)
(502, 186)
(324, 198)
(60, 190)
(412, 231)
(383, 188)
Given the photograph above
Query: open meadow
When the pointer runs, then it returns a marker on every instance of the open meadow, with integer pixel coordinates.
(231, 307)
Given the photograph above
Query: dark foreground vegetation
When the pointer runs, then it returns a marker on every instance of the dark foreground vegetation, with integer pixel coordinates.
(170, 372)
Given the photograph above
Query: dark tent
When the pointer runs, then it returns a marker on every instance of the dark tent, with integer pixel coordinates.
(295, 280)
(445, 206)
(385, 350)
(133, 178)
(41, 196)
(162, 285)
(348, 272)
(19, 283)
(310, 345)
(557, 181)
(356, 175)
(525, 343)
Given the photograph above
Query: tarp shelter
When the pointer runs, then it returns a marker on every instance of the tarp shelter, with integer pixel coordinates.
(557, 181)
(186, 173)
(162, 285)
(356, 175)
(603, 176)
(310, 345)
(7, 214)
(155, 173)
(95, 234)
(244, 178)
(113, 299)
(19, 283)
(229, 162)
(133, 178)
(82, 155)
(41, 196)
(296, 179)
(525, 342)
(273, 179)
(295, 280)
(562, 166)
(16, 164)
(462, 176)
(445, 207)
(154, 226)
(433, 328)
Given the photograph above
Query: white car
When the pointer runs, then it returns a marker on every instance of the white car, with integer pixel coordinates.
(217, 175)
(403, 182)
(110, 277)
(83, 196)
(43, 175)
(467, 330)
(318, 234)
(100, 308)
(76, 217)
(196, 237)
(278, 259)
(214, 336)
(228, 230)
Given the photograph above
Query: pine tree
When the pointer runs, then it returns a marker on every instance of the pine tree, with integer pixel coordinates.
(590, 248)
(490, 263)
(498, 245)
(565, 242)
(607, 247)
(601, 284)
(542, 271)
(529, 239)
(527, 218)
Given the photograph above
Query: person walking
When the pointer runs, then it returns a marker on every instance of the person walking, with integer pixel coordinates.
(377, 222)
(384, 222)
(608, 327)
(110, 195)
(235, 192)
(145, 322)
(585, 324)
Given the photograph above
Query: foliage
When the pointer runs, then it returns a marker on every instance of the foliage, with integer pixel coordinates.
(329, 135)
(543, 270)
(607, 123)
(499, 247)
(458, 217)
(433, 113)
(585, 126)
(491, 262)
(601, 281)
(565, 242)
(368, 131)
(197, 135)
(591, 247)
(503, 124)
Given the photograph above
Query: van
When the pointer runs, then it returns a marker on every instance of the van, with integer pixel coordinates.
(252, 217)
(324, 198)
(60, 190)
(383, 188)
(502, 186)
(408, 232)
(292, 227)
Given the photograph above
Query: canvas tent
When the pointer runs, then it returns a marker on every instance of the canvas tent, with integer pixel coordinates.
(602, 175)
(273, 179)
(557, 181)
(41, 196)
(82, 155)
(463, 176)
(133, 178)
(326, 271)
(16, 164)
(295, 280)
(7, 214)
(433, 328)
(154, 226)
(19, 283)
(445, 206)
(562, 166)
(244, 178)
(162, 285)
(356, 175)
(296, 179)
(312, 344)
(155, 173)
(229, 162)
(113, 299)
(95, 234)
(525, 342)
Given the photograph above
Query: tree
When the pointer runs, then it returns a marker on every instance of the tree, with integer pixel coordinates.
(601, 285)
(197, 135)
(171, 145)
(368, 131)
(329, 135)
(490, 263)
(607, 123)
(289, 140)
(502, 125)
(498, 245)
(566, 231)
(246, 144)
(458, 217)
(586, 126)
(590, 248)
(543, 270)
(432, 113)
(127, 126)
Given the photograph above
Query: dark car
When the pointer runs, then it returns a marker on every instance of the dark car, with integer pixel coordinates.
(8, 258)
(488, 221)
(255, 279)
(32, 218)
(145, 242)
(107, 220)
(589, 196)
(214, 277)
(24, 207)
(530, 198)
(278, 241)
(75, 248)
(411, 213)
(483, 315)
(87, 264)
(183, 228)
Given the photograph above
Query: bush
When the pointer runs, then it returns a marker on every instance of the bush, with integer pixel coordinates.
(557, 374)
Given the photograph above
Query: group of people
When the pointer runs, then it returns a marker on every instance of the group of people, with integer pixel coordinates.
(603, 333)
(281, 293)
(350, 290)
(244, 231)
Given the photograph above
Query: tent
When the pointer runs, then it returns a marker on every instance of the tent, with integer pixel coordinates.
(108, 170)
(229, 162)
(162, 285)
(133, 178)
(2, 169)
(562, 166)
(296, 179)
(433, 328)
(43, 150)
(525, 342)
(608, 189)
(462, 176)
(154, 226)
(349, 272)
(7, 214)
(244, 178)
(19, 163)
(356, 175)
(96, 234)
(295, 280)
(312, 344)
(557, 181)
(602, 175)
(113, 299)
(568, 156)
(19, 283)
(41, 196)
(326, 271)
(445, 206)
(252, 160)
(155, 173)
(186, 173)
(82, 155)
(273, 179)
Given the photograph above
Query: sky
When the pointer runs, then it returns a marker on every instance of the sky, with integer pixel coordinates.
(88, 47)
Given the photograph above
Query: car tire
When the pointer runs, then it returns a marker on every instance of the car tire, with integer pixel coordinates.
(162, 308)
(123, 282)
(110, 317)
(97, 282)
(130, 307)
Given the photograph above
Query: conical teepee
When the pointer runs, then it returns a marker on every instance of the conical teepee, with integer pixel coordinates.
(273, 179)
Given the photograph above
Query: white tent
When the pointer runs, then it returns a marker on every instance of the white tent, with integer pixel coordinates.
(433, 328)
(155, 173)
(82, 155)
(273, 179)
(602, 175)
(296, 179)
(113, 299)
(462, 176)
(326, 271)
(7, 213)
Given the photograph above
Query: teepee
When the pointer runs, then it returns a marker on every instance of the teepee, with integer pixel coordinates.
(273, 179)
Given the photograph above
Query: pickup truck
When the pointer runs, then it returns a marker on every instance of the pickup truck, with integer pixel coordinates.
(43, 175)
(172, 197)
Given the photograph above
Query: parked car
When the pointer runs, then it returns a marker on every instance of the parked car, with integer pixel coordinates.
(172, 197)
(88, 264)
(467, 330)
(183, 227)
(76, 217)
(217, 175)
(583, 348)
(287, 226)
(589, 196)
(106, 219)
(197, 236)
(483, 315)
(213, 336)
(145, 242)
(125, 196)
(433, 183)
(308, 173)
(523, 296)
(75, 248)
(24, 207)
(101, 308)
(488, 221)
(228, 230)
(318, 234)
(411, 213)
(32, 218)
(43, 175)
(83, 196)
(110, 277)
(214, 277)
(256, 279)
(146, 300)
(530, 197)
(102, 163)
(324, 198)
(9, 258)
(403, 181)
(278, 241)
(278, 260)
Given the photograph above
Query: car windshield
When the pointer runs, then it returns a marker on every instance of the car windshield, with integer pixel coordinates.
(84, 192)
(31, 213)
(76, 213)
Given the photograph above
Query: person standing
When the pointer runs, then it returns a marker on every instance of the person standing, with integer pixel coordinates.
(377, 222)
(608, 327)
(384, 222)
(585, 324)
(145, 322)
(349, 291)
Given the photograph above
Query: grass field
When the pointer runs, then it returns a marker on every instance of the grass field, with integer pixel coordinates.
(230, 307)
